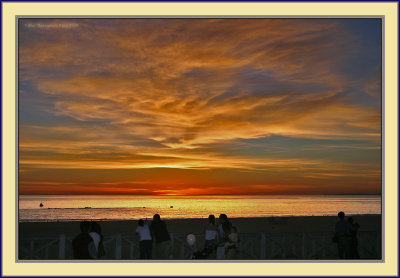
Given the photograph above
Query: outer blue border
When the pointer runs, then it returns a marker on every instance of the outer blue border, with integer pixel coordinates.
(1, 131)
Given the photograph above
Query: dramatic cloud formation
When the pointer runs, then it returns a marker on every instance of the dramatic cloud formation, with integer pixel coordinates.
(199, 106)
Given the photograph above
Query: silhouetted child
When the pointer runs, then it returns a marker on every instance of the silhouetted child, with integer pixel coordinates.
(354, 242)
(145, 239)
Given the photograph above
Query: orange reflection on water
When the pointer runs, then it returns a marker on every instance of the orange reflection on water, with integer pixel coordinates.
(135, 207)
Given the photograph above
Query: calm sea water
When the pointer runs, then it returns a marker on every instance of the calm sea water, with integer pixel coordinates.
(84, 207)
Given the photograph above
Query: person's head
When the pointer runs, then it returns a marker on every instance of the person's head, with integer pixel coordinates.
(85, 226)
(350, 219)
(341, 215)
(141, 222)
(211, 219)
(223, 218)
(95, 227)
(156, 217)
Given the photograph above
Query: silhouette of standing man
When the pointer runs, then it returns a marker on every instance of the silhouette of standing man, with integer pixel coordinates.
(160, 233)
(343, 236)
(82, 245)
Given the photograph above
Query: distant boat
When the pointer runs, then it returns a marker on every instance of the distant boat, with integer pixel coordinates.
(171, 207)
(87, 207)
(41, 205)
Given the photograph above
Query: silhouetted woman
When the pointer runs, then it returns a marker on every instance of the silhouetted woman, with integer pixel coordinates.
(224, 226)
(95, 233)
(210, 232)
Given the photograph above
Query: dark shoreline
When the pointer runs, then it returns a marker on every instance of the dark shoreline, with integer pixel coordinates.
(204, 218)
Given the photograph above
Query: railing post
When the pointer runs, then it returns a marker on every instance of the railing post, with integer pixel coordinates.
(263, 251)
(314, 248)
(183, 250)
(61, 247)
(32, 247)
(131, 252)
(324, 245)
(118, 247)
(273, 243)
(241, 249)
(171, 256)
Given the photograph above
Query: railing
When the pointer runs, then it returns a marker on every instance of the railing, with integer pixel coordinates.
(252, 246)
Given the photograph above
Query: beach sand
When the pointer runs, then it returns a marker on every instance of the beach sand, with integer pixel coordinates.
(195, 226)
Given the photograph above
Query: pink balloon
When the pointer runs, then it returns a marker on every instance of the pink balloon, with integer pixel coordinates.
(191, 239)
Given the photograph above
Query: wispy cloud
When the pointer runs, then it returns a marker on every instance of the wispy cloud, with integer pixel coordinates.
(163, 93)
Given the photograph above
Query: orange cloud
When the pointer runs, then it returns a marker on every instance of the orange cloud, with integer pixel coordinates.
(163, 93)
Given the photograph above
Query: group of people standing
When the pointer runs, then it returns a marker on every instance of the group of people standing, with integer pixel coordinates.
(157, 231)
(346, 237)
(89, 243)
(221, 239)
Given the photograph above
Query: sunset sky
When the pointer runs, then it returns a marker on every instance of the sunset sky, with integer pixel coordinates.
(199, 106)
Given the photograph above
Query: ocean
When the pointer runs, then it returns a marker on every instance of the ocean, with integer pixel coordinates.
(130, 207)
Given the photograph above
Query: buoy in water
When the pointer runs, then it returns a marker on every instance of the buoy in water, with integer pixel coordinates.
(41, 205)
(171, 206)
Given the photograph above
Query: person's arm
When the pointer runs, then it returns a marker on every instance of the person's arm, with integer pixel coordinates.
(92, 250)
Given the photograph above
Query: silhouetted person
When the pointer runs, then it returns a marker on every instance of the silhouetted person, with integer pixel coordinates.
(160, 233)
(343, 236)
(211, 240)
(210, 231)
(232, 243)
(95, 234)
(354, 242)
(145, 239)
(82, 244)
(223, 226)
